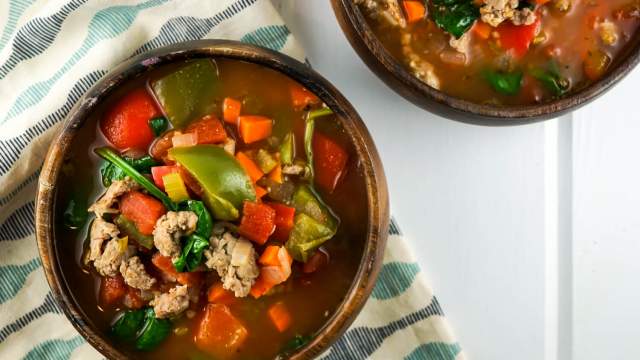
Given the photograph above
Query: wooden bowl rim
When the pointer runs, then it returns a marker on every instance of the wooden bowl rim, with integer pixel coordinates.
(377, 193)
(361, 37)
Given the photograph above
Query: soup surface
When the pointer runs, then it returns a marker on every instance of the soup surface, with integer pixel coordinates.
(211, 209)
(504, 52)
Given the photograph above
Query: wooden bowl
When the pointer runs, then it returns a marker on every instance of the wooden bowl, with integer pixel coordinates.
(376, 186)
(395, 75)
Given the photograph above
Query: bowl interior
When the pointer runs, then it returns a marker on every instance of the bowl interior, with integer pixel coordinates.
(80, 125)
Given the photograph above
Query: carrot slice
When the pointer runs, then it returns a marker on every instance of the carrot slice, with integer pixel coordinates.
(414, 10)
(254, 128)
(144, 210)
(270, 256)
(231, 110)
(217, 294)
(249, 166)
(280, 316)
(219, 333)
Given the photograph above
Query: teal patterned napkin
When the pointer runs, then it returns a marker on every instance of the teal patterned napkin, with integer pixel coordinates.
(51, 53)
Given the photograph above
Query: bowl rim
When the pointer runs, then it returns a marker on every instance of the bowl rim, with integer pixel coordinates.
(394, 74)
(375, 181)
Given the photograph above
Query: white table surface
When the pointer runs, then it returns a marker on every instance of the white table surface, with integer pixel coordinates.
(529, 235)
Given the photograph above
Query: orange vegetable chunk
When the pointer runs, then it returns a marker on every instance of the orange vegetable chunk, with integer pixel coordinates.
(280, 316)
(254, 128)
(414, 10)
(270, 256)
(208, 130)
(249, 166)
(258, 222)
(231, 110)
(144, 210)
(219, 333)
(301, 97)
(217, 294)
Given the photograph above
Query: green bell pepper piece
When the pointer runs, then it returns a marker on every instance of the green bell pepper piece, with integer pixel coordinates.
(129, 228)
(306, 201)
(153, 332)
(307, 235)
(225, 183)
(188, 93)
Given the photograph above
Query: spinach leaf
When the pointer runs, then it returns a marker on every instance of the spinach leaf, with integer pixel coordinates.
(111, 172)
(454, 16)
(129, 228)
(205, 222)
(128, 169)
(75, 215)
(504, 83)
(191, 256)
(551, 79)
(128, 324)
(153, 331)
(158, 125)
(296, 343)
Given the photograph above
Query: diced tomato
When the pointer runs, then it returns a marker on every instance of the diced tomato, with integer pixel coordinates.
(316, 261)
(209, 130)
(329, 161)
(157, 172)
(112, 289)
(144, 210)
(219, 333)
(301, 97)
(258, 222)
(126, 125)
(517, 37)
(231, 110)
(217, 294)
(280, 317)
(159, 150)
(283, 221)
(132, 299)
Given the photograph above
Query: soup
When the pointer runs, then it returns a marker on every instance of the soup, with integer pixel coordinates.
(504, 52)
(211, 209)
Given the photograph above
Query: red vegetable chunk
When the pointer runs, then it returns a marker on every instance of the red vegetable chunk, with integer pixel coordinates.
(301, 97)
(316, 261)
(144, 210)
(258, 222)
(132, 299)
(517, 37)
(170, 274)
(112, 289)
(157, 172)
(329, 161)
(126, 125)
(209, 130)
(283, 221)
(219, 333)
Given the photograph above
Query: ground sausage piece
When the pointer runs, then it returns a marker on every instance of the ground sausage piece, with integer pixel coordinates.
(420, 68)
(169, 228)
(117, 188)
(608, 32)
(238, 270)
(172, 303)
(135, 275)
(387, 10)
(524, 16)
(494, 12)
(114, 253)
(101, 231)
(294, 169)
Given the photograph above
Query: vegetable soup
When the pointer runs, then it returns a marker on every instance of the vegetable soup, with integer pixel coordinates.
(211, 209)
(504, 52)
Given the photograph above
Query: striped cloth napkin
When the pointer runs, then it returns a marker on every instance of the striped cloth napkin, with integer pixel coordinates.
(51, 52)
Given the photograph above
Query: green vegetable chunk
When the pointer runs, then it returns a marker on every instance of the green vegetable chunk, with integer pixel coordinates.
(308, 134)
(266, 162)
(225, 183)
(287, 149)
(296, 343)
(129, 228)
(306, 201)
(127, 326)
(454, 16)
(128, 169)
(204, 227)
(191, 256)
(75, 215)
(153, 332)
(551, 79)
(158, 125)
(188, 93)
(505, 83)
(111, 172)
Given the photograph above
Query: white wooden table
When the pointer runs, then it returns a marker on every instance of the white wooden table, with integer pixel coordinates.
(529, 235)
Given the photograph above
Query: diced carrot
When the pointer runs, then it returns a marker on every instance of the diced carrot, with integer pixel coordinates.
(270, 256)
(169, 272)
(260, 192)
(144, 210)
(414, 10)
(219, 333)
(258, 222)
(280, 316)
(132, 299)
(329, 161)
(231, 110)
(316, 261)
(301, 97)
(276, 174)
(482, 29)
(254, 128)
(260, 287)
(249, 166)
(157, 172)
(112, 289)
(283, 221)
(126, 125)
(217, 294)
(209, 130)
